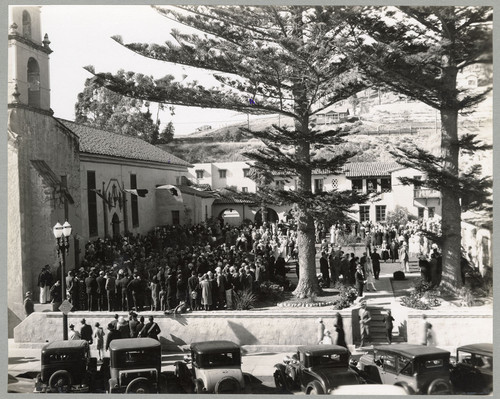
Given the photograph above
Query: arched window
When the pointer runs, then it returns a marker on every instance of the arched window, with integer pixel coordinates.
(33, 83)
(26, 24)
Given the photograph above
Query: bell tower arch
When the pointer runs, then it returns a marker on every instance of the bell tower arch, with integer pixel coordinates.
(28, 70)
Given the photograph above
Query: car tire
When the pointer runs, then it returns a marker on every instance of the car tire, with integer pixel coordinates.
(280, 380)
(227, 385)
(139, 385)
(408, 389)
(198, 386)
(59, 380)
(314, 388)
(439, 387)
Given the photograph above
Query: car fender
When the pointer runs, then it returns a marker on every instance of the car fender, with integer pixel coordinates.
(211, 377)
(408, 389)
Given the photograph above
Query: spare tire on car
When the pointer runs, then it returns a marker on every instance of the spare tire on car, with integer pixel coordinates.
(139, 385)
(227, 385)
(60, 381)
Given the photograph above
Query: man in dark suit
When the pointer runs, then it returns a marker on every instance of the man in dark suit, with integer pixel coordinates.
(135, 286)
(101, 291)
(323, 268)
(192, 288)
(375, 263)
(91, 289)
(121, 290)
(110, 287)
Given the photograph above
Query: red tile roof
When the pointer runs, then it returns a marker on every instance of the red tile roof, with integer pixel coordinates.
(355, 169)
(102, 142)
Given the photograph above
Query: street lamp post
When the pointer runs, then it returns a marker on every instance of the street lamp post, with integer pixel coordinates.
(62, 234)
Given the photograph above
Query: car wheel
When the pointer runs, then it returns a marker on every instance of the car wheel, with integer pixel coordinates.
(198, 386)
(227, 385)
(280, 380)
(314, 388)
(60, 381)
(439, 387)
(408, 389)
(139, 385)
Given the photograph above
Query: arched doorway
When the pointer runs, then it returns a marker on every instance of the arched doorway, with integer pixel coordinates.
(230, 216)
(271, 216)
(33, 83)
(115, 223)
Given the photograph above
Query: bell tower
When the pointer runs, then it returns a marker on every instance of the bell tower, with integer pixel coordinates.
(28, 54)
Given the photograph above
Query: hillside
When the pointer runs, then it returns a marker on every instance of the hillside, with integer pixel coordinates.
(380, 128)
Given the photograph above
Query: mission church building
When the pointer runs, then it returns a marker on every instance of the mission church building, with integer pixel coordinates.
(102, 183)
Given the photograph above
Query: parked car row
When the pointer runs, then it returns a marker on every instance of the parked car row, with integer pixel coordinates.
(134, 366)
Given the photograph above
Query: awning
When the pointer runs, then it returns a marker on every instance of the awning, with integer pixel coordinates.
(140, 192)
(175, 191)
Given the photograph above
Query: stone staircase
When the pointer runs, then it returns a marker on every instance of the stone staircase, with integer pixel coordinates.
(377, 327)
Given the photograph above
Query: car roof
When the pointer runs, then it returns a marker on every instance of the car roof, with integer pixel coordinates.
(77, 344)
(322, 349)
(411, 350)
(133, 343)
(214, 346)
(481, 349)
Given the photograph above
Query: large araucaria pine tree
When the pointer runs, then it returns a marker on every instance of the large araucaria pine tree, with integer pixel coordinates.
(268, 60)
(419, 51)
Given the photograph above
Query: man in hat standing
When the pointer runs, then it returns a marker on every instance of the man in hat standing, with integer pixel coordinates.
(112, 334)
(121, 289)
(91, 289)
(110, 287)
(86, 332)
(29, 306)
(101, 291)
(364, 320)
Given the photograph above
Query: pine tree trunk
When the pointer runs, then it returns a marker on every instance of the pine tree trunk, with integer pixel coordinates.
(308, 281)
(451, 212)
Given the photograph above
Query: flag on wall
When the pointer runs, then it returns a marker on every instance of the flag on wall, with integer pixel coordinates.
(176, 193)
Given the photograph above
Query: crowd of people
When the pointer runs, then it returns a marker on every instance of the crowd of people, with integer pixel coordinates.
(172, 268)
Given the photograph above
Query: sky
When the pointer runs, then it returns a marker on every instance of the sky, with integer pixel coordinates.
(81, 36)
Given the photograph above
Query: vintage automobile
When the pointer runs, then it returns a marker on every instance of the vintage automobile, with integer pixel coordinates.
(216, 368)
(66, 366)
(135, 366)
(418, 369)
(473, 370)
(315, 369)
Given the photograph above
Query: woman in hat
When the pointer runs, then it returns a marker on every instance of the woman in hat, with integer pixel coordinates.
(327, 339)
(321, 330)
(123, 327)
(112, 334)
(73, 334)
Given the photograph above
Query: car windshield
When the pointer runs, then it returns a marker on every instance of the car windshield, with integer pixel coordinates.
(481, 361)
(211, 360)
(332, 359)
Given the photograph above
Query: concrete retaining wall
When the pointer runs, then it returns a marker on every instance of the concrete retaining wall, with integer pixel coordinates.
(245, 328)
(452, 327)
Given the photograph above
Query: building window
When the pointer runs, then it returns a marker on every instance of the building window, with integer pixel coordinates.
(134, 203)
(222, 173)
(176, 218)
(357, 185)
(246, 171)
(380, 213)
(335, 184)
(431, 212)
(244, 189)
(199, 174)
(26, 24)
(371, 185)
(33, 83)
(280, 184)
(364, 213)
(421, 213)
(206, 212)
(318, 185)
(385, 185)
(92, 203)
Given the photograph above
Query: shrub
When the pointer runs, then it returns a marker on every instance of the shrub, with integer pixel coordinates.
(270, 291)
(422, 296)
(244, 300)
(347, 295)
